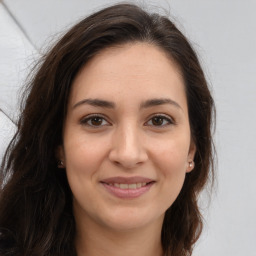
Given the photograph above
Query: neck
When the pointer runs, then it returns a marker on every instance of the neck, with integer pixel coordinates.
(92, 240)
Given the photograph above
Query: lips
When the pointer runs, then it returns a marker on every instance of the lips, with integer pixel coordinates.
(127, 187)
(127, 180)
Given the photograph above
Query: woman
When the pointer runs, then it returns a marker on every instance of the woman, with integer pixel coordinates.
(113, 145)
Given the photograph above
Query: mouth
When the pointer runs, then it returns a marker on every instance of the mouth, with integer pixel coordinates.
(127, 188)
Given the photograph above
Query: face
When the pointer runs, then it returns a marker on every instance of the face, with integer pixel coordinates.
(126, 142)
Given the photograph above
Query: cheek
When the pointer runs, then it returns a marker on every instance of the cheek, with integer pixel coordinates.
(170, 156)
(171, 164)
(83, 158)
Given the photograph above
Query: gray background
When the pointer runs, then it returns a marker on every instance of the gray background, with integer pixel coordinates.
(223, 33)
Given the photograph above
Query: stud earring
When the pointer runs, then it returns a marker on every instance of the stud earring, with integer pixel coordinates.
(191, 164)
(60, 164)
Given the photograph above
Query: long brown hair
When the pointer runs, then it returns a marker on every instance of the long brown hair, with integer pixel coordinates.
(35, 201)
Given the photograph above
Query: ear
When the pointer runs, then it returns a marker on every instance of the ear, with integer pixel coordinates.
(60, 156)
(191, 155)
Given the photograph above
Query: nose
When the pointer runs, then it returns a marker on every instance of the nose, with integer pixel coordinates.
(127, 148)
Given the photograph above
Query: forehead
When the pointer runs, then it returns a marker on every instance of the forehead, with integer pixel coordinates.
(138, 71)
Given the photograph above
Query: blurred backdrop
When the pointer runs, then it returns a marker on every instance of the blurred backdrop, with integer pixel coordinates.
(223, 34)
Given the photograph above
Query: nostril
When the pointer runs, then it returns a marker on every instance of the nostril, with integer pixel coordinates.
(117, 163)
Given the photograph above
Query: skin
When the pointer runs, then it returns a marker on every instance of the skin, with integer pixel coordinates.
(126, 141)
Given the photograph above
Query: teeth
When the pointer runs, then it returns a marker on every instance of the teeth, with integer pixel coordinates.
(128, 186)
(138, 185)
(132, 186)
(124, 186)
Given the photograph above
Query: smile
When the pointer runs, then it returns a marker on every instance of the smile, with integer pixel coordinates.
(127, 188)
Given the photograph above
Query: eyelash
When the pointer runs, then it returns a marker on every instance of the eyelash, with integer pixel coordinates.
(85, 120)
(168, 120)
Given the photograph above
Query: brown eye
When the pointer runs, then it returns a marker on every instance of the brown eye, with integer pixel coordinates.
(94, 121)
(159, 121)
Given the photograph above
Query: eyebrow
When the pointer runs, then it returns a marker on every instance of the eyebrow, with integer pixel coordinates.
(161, 101)
(96, 103)
(110, 104)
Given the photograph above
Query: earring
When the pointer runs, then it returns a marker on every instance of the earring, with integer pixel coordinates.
(60, 164)
(191, 164)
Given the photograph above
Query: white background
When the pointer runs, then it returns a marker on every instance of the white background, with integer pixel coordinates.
(223, 33)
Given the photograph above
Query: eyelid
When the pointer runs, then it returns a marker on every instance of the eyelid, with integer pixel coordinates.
(85, 119)
(166, 117)
(170, 120)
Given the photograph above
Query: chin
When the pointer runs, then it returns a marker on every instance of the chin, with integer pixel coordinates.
(130, 219)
